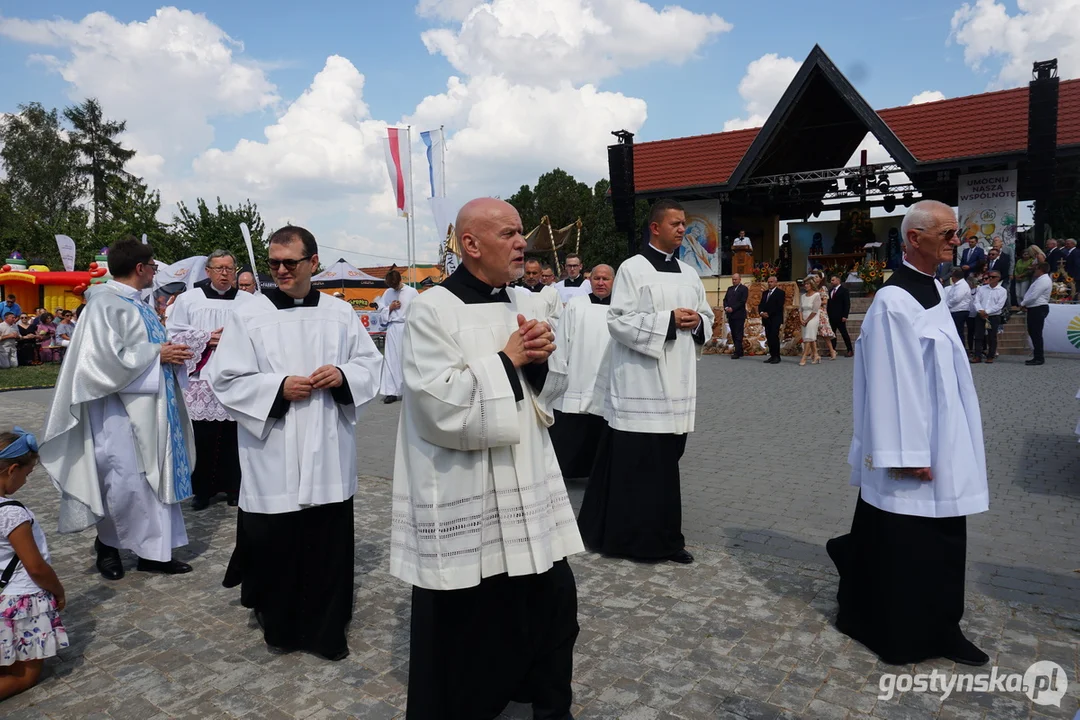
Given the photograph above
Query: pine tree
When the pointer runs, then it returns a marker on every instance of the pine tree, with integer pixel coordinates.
(103, 157)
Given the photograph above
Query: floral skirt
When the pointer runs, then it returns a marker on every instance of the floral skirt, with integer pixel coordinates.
(30, 628)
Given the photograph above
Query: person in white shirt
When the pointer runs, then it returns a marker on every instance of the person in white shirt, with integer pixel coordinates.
(575, 283)
(742, 241)
(393, 306)
(9, 341)
(531, 282)
(990, 300)
(1037, 302)
(918, 459)
(959, 300)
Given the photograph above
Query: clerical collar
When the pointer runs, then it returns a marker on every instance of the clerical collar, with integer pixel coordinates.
(661, 261)
(213, 293)
(124, 289)
(907, 264)
(599, 301)
(568, 282)
(538, 287)
(286, 302)
(470, 289)
(918, 284)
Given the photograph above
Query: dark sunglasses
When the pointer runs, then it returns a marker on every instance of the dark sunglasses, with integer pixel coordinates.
(290, 265)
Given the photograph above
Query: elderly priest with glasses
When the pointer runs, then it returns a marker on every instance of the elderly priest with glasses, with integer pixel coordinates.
(295, 368)
(117, 441)
(917, 458)
(482, 524)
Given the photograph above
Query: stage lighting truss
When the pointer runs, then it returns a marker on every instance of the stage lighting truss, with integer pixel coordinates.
(857, 181)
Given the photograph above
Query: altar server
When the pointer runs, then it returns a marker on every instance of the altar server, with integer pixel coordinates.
(295, 368)
(582, 343)
(531, 282)
(658, 318)
(575, 284)
(392, 308)
(482, 524)
(197, 319)
(917, 457)
(118, 442)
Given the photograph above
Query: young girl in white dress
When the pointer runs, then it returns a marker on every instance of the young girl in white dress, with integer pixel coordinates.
(31, 595)
(809, 308)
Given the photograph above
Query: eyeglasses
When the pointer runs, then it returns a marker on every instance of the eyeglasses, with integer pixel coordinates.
(221, 270)
(153, 266)
(290, 264)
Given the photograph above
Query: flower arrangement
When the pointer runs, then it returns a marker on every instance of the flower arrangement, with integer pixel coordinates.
(872, 274)
(763, 270)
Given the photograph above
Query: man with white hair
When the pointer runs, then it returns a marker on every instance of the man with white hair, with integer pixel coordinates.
(1054, 254)
(582, 342)
(482, 524)
(917, 457)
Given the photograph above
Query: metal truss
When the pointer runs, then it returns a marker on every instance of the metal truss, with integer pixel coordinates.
(818, 176)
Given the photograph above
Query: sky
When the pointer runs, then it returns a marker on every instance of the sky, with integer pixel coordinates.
(286, 103)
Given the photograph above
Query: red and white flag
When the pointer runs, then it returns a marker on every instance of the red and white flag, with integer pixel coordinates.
(396, 146)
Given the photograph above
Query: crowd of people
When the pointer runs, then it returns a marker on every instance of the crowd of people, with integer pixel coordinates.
(27, 339)
(509, 383)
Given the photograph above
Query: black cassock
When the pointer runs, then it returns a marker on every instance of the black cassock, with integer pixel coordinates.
(473, 651)
(295, 569)
(633, 503)
(902, 576)
(576, 436)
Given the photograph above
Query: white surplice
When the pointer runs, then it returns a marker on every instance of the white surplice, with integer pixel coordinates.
(477, 486)
(307, 457)
(569, 292)
(915, 406)
(652, 382)
(582, 342)
(106, 442)
(550, 303)
(393, 321)
(194, 317)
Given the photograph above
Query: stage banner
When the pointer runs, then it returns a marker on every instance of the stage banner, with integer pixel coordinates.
(1061, 334)
(701, 243)
(987, 209)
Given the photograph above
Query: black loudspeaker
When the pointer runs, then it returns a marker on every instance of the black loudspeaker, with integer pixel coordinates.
(621, 172)
(1041, 175)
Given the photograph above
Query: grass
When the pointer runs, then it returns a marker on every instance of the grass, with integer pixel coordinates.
(29, 376)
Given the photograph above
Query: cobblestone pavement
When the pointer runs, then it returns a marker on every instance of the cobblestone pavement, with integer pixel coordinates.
(743, 633)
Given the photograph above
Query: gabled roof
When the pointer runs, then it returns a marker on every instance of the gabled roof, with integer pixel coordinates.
(976, 126)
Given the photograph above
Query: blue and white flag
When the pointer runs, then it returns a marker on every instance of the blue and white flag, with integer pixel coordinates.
(433, 140)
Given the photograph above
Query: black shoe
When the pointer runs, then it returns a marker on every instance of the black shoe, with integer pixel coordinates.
(965, 653)
(682, 557)
(232, 500)
(775, 361)
(108, 561)
(172, 567)
(390, 399)
(199, 503)
(767, 361)
(1035, 362)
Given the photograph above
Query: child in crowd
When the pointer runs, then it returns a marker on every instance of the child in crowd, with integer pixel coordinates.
(31, 595)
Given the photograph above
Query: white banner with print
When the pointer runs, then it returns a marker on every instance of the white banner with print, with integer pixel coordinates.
(1061, 334)
(987, 209)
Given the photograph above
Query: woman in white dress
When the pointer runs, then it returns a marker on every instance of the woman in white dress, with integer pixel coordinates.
(809, 308)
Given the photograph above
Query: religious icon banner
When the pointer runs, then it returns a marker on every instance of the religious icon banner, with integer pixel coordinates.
(987, 208)
(701, 243)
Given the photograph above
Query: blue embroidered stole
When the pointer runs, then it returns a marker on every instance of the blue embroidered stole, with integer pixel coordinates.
(181, 466)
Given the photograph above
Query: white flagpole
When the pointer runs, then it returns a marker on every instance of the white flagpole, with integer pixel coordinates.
(411, 226)
(442, 159)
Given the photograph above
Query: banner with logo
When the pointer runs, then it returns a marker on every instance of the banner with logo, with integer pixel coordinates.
(66, 246)
(987, 209)
(1061, 334)
(701, 243)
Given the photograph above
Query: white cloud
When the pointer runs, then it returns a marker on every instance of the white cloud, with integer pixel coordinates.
(445, 9)
(168, 76)
(761, 87)
(927, 96)
(579, 41)
(1040, 30)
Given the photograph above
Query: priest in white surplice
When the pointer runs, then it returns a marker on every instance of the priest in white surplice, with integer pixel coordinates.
(575, 284)
(392, 309)
(547, 294)
(658, 319)
(117, 440)
(197, 319)
(917, 458)
(581, 341)
(482, 524)
(295, 368)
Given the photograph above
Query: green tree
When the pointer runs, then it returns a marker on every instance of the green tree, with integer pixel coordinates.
(134, 211)
(40, 195)
(200, 231)
(102, 156)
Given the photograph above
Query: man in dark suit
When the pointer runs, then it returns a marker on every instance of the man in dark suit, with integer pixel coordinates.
(839, 308)
(972, 254)
(1053, 255)
(735, 310)
(1072, 263)
(771, 309)
(996, 261)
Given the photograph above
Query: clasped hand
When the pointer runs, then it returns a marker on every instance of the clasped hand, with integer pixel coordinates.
(532, 343)
(686, 319)
(173, 354)
(300, 388)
